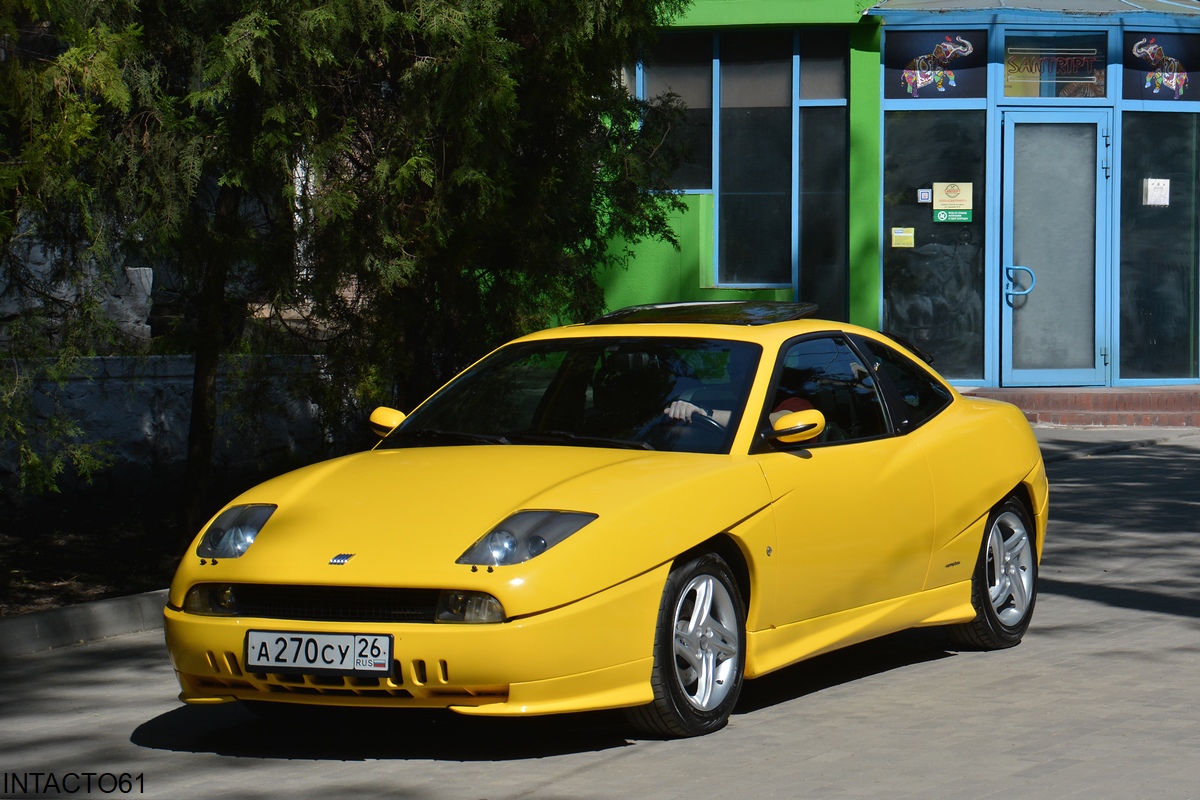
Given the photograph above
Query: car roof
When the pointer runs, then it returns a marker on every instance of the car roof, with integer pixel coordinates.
(730, 312)
(766, 323)
(744, 313)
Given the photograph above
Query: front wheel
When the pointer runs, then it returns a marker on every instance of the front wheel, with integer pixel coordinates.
(699, 651)
(1004, 585)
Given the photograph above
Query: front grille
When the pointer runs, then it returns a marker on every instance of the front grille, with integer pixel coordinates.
(336, 603)
(413, 683)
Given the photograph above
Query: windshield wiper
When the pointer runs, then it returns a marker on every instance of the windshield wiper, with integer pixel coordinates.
(453, 437)
(559, 437)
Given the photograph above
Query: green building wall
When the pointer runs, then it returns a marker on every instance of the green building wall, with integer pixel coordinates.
(659, 273)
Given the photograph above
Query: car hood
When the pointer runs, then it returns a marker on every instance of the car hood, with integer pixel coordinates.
(407, 515)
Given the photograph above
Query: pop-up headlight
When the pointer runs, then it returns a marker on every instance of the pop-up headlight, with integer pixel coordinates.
(523, 536)
(231, 534)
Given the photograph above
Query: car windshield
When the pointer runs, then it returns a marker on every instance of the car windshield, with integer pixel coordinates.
(591, 392)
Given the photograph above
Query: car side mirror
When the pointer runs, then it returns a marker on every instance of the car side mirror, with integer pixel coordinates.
(797, 426)
(384, 420)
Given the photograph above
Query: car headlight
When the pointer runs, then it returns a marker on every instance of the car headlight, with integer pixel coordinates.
(231, 534)
(211, 599)
(472, 607)
(523, 536)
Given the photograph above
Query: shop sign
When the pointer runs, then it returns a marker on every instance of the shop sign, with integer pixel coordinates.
(931, 65)
(1156, 66)
(904, 237)
(952, 202)
(1072, 65)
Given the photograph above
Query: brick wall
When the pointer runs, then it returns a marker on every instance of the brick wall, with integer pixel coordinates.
(1158, 406)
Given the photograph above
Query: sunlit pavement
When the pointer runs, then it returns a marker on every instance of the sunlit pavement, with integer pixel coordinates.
(1099, 701)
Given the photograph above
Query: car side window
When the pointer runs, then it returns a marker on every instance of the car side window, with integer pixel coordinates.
(921, 397)
(826, 374)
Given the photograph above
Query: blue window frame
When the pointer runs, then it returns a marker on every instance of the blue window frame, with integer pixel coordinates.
(768, 140)
(1147, 283)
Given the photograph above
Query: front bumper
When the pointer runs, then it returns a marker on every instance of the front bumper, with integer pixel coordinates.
(592, 654)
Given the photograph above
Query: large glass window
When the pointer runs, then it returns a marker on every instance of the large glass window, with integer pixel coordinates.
(824, 174)
(938, 65)
(822, 66)
(683, 66)
(755, 205)
(824, 210)
(780, 173)
(1156, 65)
(1058, 65)
(1160, 245)
(933, 264)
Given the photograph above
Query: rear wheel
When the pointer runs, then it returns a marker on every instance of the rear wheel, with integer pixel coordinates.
(1004, 585)
(699, 651)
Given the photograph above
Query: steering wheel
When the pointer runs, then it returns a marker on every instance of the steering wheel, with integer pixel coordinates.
(665, 433)
(708, 424)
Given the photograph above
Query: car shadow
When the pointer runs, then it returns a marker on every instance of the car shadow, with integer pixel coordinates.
(378, 734)
(847, 665)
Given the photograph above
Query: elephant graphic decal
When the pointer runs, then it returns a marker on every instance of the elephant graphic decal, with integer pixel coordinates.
(1167, 71)
(934, 67)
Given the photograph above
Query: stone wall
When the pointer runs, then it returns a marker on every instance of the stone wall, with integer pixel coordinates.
(142, 407)
(126, 294)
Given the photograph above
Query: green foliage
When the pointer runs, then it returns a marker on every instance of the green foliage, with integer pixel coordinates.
(57, 246)
(475, 194)
(395, 186)
(37, 438)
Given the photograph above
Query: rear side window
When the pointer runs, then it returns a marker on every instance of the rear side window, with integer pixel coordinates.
(826, 374)
(920, 396)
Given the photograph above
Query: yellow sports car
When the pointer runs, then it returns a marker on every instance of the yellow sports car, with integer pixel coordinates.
(640, 512)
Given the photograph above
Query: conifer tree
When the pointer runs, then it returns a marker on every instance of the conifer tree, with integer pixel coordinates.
(394, 186)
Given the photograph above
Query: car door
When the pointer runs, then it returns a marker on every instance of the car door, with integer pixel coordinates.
(854, 508)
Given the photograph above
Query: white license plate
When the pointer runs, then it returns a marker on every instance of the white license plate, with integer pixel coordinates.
(319, 653)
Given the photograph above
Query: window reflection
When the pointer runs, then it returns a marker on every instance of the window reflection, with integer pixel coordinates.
(824, 210)
(1159, 246)
(590, 392)
(763, 199)
(933, 290)
(825, 374)
(682, 65)
(756, 158)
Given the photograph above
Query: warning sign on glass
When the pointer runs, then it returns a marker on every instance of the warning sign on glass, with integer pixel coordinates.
(952, 202)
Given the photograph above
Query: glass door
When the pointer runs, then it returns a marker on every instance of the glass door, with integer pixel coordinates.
(1055, 247)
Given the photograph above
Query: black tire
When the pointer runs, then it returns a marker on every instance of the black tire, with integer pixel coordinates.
(699, 651)
(1004, 584)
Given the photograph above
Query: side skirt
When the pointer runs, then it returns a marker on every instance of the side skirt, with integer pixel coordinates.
(775, 648)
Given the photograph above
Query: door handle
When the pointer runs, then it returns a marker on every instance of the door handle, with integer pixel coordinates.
(1008, 286)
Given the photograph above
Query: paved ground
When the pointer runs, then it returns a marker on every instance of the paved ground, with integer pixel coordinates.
(1099, 701)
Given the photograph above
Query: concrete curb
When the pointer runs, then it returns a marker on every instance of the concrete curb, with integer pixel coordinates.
(1100, 450)
(58, 627)
(1054, 449)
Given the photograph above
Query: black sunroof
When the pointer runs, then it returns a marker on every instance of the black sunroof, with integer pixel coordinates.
(732, 312)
